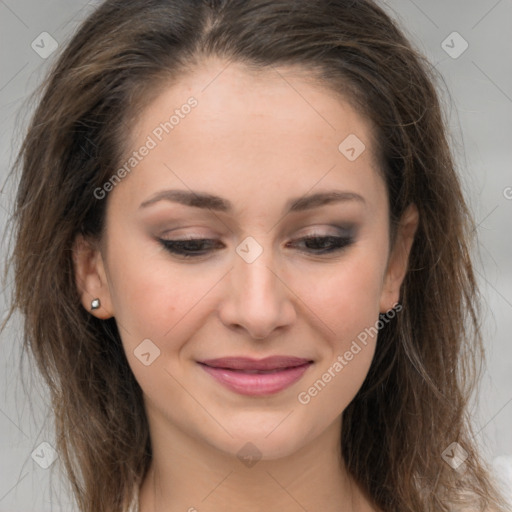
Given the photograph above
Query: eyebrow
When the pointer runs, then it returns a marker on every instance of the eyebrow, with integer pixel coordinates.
(219, 204)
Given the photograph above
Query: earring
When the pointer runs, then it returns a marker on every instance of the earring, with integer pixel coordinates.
(95, 304)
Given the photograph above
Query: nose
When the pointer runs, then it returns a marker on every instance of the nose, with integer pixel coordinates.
(257, 298)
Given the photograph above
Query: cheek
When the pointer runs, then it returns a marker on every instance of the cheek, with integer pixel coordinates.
(345, 295)
(149, 293)
(155, 302)
(347, 301)
(333, 386)
(144, 299)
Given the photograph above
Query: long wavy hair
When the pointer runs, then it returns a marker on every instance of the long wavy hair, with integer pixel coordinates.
(414, 402)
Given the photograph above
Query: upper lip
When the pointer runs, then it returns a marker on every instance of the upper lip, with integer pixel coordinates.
(247, 363)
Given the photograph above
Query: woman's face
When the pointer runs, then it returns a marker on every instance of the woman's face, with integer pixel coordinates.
(264, 145)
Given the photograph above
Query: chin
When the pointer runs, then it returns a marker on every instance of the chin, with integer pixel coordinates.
(264, 443)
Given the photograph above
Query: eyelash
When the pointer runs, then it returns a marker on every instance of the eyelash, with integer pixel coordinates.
(176, 247)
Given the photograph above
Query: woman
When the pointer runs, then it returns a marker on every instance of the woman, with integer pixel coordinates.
(242, 256)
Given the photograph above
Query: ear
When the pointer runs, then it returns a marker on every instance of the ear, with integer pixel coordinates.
(399, 258)
(90, 277)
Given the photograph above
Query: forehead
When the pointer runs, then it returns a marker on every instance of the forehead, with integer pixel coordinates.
(230, 95)
(248, 130)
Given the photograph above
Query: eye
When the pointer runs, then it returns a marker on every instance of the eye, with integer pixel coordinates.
(197, 247)
(320, 245)
(190, 247)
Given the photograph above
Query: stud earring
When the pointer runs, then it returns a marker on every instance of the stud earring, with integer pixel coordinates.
(95, 304)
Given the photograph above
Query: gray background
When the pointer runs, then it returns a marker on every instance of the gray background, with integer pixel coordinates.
(479, 99)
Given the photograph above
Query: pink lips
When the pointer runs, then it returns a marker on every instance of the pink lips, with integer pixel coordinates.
(256, 377)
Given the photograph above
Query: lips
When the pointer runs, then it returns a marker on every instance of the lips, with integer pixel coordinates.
(256, 376)
(246, 364)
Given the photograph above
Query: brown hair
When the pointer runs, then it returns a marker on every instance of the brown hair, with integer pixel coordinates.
(413, 403)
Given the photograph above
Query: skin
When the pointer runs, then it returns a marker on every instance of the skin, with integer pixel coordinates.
(257, 141)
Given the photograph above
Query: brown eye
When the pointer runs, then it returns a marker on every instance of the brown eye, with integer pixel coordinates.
(325, 244)
(190, 247)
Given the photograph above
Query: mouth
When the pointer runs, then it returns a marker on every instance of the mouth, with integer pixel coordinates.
(256, 377)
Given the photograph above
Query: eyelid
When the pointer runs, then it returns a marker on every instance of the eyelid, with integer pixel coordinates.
(315, 231)
(327, 230)
(320, 228)
(343, 237)
(181, 234)
(342, 229)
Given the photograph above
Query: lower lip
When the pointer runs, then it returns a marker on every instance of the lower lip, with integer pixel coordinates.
(257, 384)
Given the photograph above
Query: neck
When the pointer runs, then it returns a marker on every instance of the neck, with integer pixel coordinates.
(187, 474)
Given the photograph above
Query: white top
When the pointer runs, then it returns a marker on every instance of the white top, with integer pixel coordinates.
(134, 505)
